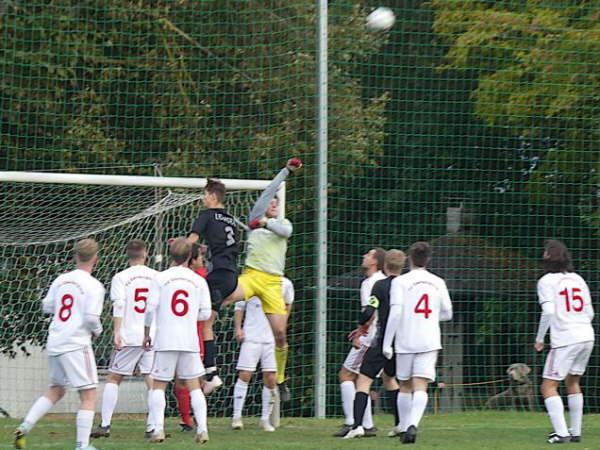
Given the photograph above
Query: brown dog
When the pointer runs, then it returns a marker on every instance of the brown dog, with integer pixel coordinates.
(520, 393)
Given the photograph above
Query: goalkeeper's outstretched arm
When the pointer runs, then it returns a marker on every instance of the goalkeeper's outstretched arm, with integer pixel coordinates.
(261, 205)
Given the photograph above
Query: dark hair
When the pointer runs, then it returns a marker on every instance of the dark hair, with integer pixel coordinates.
(379, 255)
(394, 261)
(557, 257)
(180, 250)
(197, 252)
(420, 253)
(217, 188)
(135, 249)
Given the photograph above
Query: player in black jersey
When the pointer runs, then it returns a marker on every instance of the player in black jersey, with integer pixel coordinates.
(217, 227)
(374, 362)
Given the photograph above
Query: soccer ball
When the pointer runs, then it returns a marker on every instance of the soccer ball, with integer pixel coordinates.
(381, 19)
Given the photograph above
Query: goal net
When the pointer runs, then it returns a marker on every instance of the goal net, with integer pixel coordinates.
(39, 223)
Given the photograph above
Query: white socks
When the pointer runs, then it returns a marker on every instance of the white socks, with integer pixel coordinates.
(556, 411)
(240, 390)
(150, 419)
(404, 404)
(84, 421)
(109, 402)
(368, 417)
(41, 406)
(268, 401)
(419, 403)
(576, 413)
(157, 406)
(348, 391)
(199, 407)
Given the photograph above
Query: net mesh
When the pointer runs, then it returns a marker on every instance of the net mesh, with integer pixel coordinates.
(39, 224)
(471, 124)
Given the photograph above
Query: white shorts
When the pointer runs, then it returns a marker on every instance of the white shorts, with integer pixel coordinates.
(355, 358)
(124, 361)
(76, 369)
(252, 352)
(568, 360)
(422, 365)
(187, 365)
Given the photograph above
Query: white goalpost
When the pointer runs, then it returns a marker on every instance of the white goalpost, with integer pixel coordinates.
(43, 214)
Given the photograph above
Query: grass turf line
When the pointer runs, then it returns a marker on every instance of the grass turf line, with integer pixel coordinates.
(462, 431)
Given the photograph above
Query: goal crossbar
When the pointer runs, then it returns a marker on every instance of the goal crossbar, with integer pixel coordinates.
(125, 180)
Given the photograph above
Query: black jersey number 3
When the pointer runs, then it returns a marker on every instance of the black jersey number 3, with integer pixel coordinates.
(230, 236)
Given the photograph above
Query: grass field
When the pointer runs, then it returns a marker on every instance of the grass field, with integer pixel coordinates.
(474, 430)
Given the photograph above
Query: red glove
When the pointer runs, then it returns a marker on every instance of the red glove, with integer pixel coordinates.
(294, 164)
(254, 224)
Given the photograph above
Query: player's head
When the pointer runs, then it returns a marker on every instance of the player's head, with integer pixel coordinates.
(214, 193)
(420, 254)
(374, 259)
(556, 258)
(273, 209)
(196, 257)
(86, 252)
(136, 250)
(394, 262)
(180, 251)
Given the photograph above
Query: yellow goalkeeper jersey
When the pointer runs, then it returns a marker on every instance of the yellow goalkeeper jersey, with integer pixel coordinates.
(266, 250)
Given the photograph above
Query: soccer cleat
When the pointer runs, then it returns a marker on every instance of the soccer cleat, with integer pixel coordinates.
(212, 385)
(266, 426)
(202, 438)
(237, 424)
(394, 432)
(575, 439)
(148, 434)
(101, 432)
(556, 439)
(343, 431)
(371, 432)
(410, 436)
(89, 447)
(357, 432)
(185, 428)
(158, 437)
(20, 439)
(284, 391)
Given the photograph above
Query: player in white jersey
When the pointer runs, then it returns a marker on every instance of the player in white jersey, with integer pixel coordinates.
(178, 298)
(75, 300)
(258, 344)
(129, 293)
(568, 312)
(419, 301)
(372, 264)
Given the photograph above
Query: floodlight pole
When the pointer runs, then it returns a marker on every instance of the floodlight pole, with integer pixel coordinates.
(321, 316)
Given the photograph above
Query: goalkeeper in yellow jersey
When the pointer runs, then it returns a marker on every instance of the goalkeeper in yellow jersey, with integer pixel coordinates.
(264, 267)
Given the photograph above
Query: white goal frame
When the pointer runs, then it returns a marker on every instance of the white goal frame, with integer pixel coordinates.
(37, 362)
(136, 180)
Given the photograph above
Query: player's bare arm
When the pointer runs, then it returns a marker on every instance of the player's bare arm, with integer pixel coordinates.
(193, 238)
(238, 317)
(118, 340)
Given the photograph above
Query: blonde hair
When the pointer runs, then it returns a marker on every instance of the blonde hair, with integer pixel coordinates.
(85, 250)
(394, 260)
(180, 250)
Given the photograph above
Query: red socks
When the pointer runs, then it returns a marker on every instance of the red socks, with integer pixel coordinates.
(183, 402)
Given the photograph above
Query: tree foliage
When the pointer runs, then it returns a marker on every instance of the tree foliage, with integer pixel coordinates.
(537, 65)
(213, 88)
(216, 87)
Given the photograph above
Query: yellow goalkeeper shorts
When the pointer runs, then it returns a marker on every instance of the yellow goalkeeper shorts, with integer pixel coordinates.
(268, 288)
